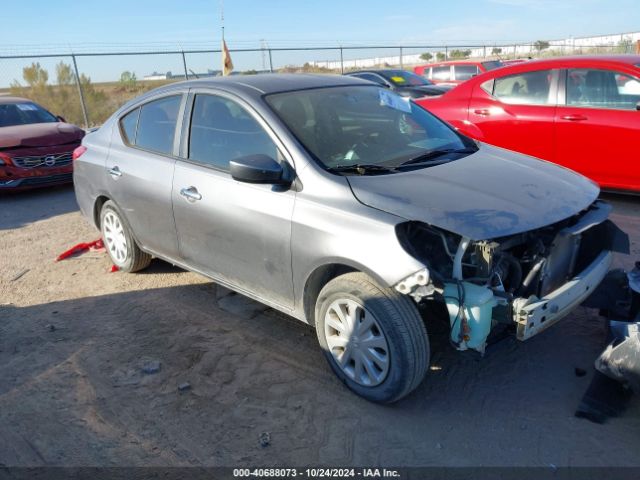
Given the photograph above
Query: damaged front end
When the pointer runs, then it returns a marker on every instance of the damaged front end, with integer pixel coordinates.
(530, 279)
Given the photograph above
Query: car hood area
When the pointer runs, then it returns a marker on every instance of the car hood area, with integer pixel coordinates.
(39, 135)
(489, 194)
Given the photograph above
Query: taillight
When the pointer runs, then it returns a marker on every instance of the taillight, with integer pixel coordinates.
(77, 153)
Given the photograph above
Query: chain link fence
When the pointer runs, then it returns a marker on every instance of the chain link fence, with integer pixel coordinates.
(85, 88)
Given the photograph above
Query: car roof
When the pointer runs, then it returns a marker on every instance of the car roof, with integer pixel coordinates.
(586, 59)
(267, 83)
(5, 100)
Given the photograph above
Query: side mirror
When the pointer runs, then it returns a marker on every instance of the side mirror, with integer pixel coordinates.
(61, 119)
(638, 106)
(257, 169)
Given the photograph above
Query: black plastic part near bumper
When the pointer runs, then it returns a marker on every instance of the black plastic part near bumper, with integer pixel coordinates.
(618, 367)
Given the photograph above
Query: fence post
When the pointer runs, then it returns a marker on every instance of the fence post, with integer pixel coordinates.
(446, 53)
(270, 62)
(341, 61)
(184, 64)
(484, 49)
(80, 93)
(401, 65)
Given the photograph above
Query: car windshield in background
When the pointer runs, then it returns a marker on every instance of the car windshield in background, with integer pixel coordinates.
(493, 64)
(370, 129)
(25, 113)
(400, 78)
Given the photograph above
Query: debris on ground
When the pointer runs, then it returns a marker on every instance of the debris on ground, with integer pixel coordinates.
(81, 248)
(265, 439)
(183, 387)
(618, 366)
(51, 327)
(19, 275)
(151, 367)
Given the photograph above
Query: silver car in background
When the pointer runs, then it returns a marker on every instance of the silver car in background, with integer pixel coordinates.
(346, 206)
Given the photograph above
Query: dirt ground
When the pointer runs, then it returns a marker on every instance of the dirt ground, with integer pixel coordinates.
(74, 339)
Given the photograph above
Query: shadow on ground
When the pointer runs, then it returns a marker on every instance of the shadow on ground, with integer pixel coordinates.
(21, 208)
(73, 391)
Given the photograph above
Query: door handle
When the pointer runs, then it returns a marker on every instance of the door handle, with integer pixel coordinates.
(484, 112)
(190, 193)
(115, 172)
(574, 118)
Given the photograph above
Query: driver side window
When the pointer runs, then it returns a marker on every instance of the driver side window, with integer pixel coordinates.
(221, 131)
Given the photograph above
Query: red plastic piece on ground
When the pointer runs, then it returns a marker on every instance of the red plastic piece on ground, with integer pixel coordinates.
(81, 248)
(113, 268)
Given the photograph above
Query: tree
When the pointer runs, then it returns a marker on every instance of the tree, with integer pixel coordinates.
(441, 57)
(426, 56)
(540, 45)
(496, 51)
(128, 80)
(460, 53)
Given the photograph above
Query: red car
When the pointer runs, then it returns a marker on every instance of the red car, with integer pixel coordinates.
(455, 72)
(579, 112)
(35, 146)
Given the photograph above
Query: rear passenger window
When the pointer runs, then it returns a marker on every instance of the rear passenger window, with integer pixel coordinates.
(602, 89)
(157, 124)
(441, 73)
(222, 130)
(531, 88)
(465, 72)
(128, 125)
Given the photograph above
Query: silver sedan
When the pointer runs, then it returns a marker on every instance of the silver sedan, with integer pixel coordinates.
(346, 206)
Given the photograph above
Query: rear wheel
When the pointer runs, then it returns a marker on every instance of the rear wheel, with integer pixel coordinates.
(118, 240)
(373, 337)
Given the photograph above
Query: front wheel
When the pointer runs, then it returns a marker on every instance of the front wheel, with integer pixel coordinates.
(118, 240)
(373, 338)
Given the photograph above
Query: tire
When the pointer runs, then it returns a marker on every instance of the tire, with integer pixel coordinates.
(118, 240)
(389, 339)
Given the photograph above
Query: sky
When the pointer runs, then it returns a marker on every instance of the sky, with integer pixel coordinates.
(45, 26)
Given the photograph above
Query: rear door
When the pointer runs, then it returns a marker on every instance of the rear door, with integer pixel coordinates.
(598, 126)
(140, 170)
(235, 232)
(517, 111)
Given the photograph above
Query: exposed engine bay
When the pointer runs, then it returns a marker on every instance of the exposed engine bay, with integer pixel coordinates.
(532, 278)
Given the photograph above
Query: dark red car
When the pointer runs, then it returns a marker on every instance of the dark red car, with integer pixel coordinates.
(35, 146)
(580, 112)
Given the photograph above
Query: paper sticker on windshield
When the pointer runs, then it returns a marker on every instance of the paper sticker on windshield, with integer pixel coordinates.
(390, 99)
(398, 79)
(26, 107)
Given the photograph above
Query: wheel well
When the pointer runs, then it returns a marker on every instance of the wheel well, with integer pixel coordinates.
(97, 207)
(318, 279)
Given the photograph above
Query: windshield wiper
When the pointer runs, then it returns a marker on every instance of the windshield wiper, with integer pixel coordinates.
(361, 168)
(433, 154)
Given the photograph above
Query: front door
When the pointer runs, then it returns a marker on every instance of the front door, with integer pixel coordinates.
(516, 112)
(238, 233)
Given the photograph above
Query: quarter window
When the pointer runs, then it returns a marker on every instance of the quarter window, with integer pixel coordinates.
(157, 124)
(524, 88)
(602, 89)
(222, 130)
(128, 124)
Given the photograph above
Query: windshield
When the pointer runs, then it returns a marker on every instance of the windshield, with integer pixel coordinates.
(366, 125)
(400, 78)
(23, 113)
(492, 64)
